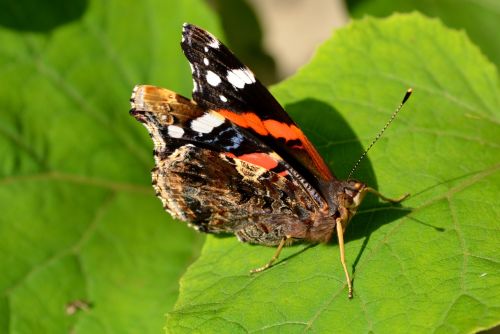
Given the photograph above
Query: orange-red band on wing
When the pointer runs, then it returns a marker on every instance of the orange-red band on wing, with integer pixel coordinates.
(281, 130)
(278, 129)
(263, 160)
(263, 128)
(245, 120)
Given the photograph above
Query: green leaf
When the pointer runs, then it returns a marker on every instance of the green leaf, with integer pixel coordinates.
(78, 216)
(430, 265)
(479, 18)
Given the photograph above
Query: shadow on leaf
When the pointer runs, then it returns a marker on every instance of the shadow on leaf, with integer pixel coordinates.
(341, 148)
(333, 137)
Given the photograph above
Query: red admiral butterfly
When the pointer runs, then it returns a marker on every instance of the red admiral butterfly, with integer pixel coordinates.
(233, 161)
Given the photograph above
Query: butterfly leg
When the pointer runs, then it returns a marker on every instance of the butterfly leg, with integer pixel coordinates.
(340, 236)
(387, 199)
(275, 256)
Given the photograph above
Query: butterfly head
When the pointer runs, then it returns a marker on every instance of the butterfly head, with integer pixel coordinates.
(349, 196)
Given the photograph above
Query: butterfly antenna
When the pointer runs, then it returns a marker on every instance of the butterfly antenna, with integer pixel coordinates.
(393, 116)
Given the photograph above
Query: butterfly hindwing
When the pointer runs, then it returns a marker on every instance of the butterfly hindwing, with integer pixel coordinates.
(217, 193)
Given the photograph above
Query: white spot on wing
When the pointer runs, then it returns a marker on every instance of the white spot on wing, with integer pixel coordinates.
(223, 98)
(175, 131)
(206, 49)
(214, 43)
(207, 122)
(132, 98)
(195, 86)
(240, 77)
(205, 61)
(213, 79)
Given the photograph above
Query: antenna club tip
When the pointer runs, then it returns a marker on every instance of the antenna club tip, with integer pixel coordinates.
(407, 95)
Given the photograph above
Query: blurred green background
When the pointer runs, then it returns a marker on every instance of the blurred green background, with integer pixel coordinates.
(78, 218)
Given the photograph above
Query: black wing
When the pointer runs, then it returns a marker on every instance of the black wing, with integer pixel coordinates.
(222, 83)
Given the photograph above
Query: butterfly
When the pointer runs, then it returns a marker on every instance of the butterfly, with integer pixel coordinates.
(231, 160)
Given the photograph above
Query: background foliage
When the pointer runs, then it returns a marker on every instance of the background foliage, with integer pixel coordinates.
(79, 219)
(479, 18)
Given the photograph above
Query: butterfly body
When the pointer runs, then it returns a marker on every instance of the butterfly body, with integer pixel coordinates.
(233, 161)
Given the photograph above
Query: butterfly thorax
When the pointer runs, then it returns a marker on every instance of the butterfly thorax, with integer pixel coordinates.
(343, 198)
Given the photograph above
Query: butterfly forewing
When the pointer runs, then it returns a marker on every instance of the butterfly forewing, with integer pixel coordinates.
(222, 83)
